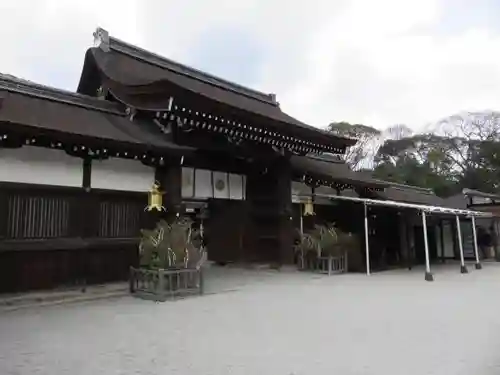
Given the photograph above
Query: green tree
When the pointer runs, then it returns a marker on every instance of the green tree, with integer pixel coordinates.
(417, 160)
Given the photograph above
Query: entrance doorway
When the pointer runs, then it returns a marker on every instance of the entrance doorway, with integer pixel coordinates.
(420, 246)
(225, 230)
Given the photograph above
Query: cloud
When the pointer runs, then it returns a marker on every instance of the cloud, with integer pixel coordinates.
(373, 62)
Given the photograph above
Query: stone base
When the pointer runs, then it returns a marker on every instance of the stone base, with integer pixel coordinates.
(429, 276)
(463, 269)
(479, 266)
(162, 284)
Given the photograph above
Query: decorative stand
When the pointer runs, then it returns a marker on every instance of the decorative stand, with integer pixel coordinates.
(170, 262)
(325, 265)
(163, 284)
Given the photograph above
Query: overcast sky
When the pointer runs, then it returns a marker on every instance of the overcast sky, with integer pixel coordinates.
(376, 62)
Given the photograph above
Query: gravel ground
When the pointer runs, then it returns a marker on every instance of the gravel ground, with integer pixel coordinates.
(270, 322)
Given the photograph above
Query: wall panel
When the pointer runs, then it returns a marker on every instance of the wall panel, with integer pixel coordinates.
(204, 184)
(221, 185)
(121, 174)
(187, 189)
(38, 165)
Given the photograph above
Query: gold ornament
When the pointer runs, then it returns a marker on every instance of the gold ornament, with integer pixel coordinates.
(155, 198)
(309, 208)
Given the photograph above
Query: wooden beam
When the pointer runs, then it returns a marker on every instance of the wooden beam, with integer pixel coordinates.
(87, 173)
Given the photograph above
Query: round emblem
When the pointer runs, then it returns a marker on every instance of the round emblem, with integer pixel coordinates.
(220, 185)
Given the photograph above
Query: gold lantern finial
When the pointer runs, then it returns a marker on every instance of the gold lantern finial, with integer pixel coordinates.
(155, 198)
(309, 207)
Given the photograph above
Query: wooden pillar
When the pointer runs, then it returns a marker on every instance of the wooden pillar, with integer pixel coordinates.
(87, 173)
(4, 212)
(284, 194)
(169, 177)
(88, 207)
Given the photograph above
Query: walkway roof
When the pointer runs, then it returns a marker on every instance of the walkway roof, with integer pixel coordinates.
(333, 169)
(420, 207)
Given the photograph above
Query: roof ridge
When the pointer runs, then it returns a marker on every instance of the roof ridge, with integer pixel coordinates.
(22, 86)
(412, 187)
(104, 41)
(333, 159)
(479, 194)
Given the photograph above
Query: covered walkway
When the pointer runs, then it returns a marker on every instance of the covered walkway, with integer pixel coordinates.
(424, 211)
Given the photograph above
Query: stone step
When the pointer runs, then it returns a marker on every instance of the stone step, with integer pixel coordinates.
(60, 296)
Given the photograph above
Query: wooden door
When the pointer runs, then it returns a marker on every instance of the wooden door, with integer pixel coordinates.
(225, 230)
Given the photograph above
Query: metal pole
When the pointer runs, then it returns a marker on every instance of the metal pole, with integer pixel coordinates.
(476, 249)
(463, 268)
(428, 274)
(301, 220)
(201, 235)
(367, 244)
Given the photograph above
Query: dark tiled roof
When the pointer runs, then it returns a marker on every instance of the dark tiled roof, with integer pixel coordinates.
(142, 79)
(463, 199)
(10, 83)
(457, 201)
(411, 194)
(334, 170)
(28, 105)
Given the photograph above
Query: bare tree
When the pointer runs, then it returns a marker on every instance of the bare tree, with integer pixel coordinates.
(361, 154)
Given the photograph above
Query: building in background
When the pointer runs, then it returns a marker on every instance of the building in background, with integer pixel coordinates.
(75, 169)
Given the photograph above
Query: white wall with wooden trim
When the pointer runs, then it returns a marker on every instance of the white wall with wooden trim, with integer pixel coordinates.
(448, 233)
(204, 184)
(38, 165)
(121, 174)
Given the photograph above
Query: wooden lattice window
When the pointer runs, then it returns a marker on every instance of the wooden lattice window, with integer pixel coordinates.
(37, 217)
(120, 219)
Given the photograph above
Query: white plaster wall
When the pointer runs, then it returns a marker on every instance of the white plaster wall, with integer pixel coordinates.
(187, 189)
(204, 183)
(121, 174)
(236, 186)
(38, 165)
(221, 185)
